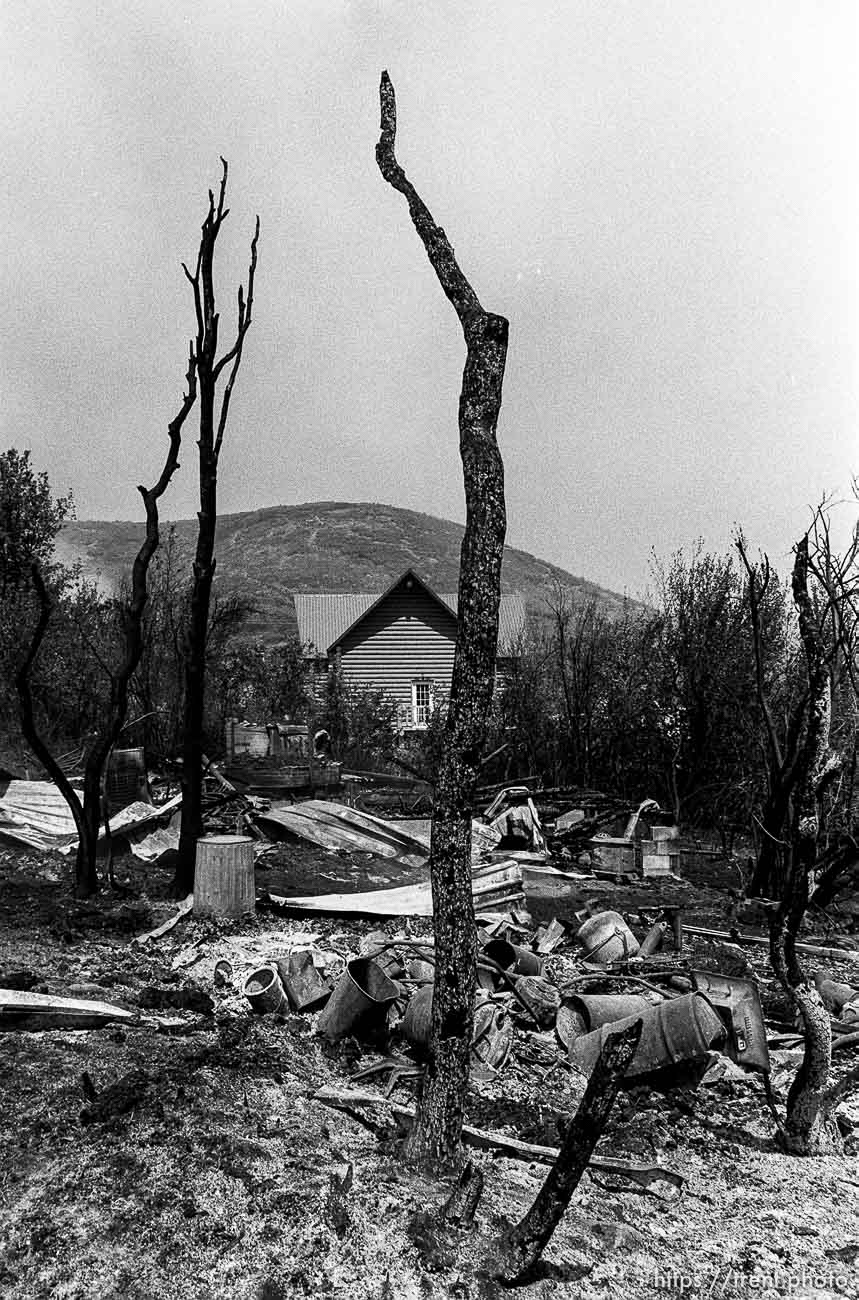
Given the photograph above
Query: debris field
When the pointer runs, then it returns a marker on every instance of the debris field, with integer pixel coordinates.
(233, 1127)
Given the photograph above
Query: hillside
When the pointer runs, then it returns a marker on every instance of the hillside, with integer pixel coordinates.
(321, 546)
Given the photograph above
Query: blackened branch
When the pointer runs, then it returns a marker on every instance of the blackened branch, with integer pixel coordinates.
(439, 251)
(245, 314)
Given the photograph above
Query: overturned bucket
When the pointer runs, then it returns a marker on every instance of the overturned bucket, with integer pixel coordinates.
(492, 1036)
(606, 937)
(264, 991)
(683, 1029)
(598, 1009)
(360, 1001)
(512, 958)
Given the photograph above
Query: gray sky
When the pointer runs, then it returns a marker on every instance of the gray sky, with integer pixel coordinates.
(661, 196)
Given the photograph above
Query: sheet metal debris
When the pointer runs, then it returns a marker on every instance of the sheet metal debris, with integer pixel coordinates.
(492, 887)
(36, 814)
(334, 826)
(19, 1010)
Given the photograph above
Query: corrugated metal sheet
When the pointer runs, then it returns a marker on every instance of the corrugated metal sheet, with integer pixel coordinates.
(323, 619)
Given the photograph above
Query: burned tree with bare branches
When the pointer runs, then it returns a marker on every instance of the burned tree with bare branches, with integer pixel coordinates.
(213, 423)
(87, 809)
(434, 1141)
(803, 769)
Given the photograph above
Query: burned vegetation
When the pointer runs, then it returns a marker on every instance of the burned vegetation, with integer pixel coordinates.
(542, 976)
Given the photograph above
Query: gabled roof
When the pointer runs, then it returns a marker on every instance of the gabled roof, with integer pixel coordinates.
(409, 578)
(325, 618)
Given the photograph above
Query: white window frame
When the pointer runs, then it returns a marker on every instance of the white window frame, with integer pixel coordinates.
(423, 699)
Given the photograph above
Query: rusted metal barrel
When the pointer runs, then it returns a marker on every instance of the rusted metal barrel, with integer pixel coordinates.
(606, 937)
(582, 1012)
(683, 1029)
(417, 1022)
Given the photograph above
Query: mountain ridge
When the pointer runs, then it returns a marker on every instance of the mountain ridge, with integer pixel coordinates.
(319, 546)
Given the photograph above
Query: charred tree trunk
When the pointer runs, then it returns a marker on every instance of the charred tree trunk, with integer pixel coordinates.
(213, 422)
(782, 752)
(84, 883)
(809, 1126)
(522, 1249)
(87, 813)
(434, 1141)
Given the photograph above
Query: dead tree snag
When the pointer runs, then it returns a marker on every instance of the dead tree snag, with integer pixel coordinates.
(87, 811)
(801, 767)
(434, 1141)
(213, 422)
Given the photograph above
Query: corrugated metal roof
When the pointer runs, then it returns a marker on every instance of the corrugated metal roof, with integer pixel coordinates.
(323, 618)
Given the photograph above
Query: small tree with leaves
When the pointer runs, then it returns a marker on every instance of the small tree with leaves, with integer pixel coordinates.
(30, 519)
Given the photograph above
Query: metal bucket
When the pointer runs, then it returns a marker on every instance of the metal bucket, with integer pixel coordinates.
(360, 1001)
(606, 937)
(683, 1029)
(515, 960)
(264, 991)
(492, 1036)
(598, 1009)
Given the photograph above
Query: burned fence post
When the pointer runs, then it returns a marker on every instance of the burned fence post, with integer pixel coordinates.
(521, 1250)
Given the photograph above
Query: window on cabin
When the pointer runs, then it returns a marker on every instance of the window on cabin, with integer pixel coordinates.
(422, 702)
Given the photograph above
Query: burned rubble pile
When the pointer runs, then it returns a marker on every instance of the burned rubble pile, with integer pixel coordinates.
(548, 996)
(319, 1006)
(547, 999)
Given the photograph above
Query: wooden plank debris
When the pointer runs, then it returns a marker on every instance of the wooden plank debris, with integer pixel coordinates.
(811, 949)
(643, 1175)
(184, 908)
